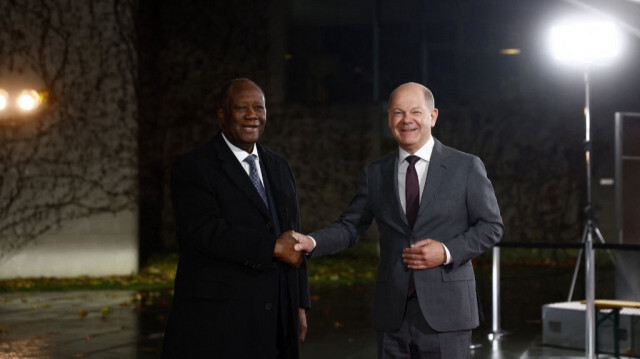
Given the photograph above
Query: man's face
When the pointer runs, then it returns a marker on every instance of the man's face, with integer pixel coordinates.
(410, 120)
(243, 117)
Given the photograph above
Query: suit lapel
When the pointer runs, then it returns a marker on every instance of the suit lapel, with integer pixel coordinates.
(274, 173)
(396, 204)
(435, 176)
(237, 174)
(389, 190)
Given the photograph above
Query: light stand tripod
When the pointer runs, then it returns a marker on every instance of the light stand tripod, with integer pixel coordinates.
(589, 42)
(590, 227)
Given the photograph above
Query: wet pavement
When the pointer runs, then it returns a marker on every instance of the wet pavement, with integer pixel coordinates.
(129, 324)
(85, 324)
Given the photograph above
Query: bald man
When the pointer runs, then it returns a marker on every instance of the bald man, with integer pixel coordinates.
(436, 210)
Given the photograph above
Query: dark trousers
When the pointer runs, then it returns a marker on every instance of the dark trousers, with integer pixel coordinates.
(417, 340)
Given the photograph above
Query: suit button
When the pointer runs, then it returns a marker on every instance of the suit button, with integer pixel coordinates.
(269, 225)
(267, 306)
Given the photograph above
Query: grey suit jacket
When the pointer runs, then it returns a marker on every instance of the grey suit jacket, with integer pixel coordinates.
(458, 207)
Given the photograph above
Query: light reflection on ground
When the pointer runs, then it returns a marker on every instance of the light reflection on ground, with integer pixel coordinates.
(130, 324)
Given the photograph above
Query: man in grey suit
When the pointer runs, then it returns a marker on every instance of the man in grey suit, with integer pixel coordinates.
(431, 226)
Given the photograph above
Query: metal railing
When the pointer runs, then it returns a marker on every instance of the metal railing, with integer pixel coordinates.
(496, 330)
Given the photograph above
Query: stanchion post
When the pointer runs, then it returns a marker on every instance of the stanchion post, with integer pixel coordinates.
(496, 332)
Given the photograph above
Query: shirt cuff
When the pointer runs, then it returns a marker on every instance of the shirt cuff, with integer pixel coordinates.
(449, 259)
(314, 244)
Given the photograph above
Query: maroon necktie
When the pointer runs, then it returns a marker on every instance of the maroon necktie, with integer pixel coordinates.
(412, 195)
(412, 190)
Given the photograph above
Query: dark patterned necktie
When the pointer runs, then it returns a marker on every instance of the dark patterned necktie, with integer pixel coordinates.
(255, 178)
(412, 190)
(412, 195)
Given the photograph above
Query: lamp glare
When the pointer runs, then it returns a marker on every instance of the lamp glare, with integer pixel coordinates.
(4, 99)
(28, 100)
(586, 43)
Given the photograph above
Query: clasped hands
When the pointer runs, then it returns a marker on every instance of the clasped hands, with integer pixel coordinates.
(424, 254)
(290, 247)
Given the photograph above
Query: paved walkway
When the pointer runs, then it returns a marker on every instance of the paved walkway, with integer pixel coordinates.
(95, 324)
(128, 324)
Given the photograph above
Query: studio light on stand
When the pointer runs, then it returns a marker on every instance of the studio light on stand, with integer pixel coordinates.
(587, 44)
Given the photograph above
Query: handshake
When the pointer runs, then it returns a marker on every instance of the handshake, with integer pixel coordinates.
(424, 254)
(290, 247)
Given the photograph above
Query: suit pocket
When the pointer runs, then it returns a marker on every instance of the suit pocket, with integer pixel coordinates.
(461, 273)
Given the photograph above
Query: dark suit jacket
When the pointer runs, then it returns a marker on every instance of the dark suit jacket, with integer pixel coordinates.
(458, 207)
(226, 301)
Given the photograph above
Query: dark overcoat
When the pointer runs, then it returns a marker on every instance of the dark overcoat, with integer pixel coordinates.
(229, 290)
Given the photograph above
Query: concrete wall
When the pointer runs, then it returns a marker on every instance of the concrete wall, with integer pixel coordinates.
(102, 244)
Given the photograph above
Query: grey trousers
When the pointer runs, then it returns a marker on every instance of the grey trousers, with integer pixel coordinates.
(417, 340)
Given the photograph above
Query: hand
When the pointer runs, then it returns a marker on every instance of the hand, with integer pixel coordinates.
(284, 249)
(305, 243)
(424, 254)
(302, 319)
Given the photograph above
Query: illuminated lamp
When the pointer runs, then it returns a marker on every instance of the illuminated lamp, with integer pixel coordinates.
(28, 100)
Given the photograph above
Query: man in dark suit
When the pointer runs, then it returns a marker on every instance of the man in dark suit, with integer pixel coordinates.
(431, 226)
(240, 290)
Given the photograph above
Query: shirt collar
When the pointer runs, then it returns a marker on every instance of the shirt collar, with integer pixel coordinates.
(423, 152)
(240, 153)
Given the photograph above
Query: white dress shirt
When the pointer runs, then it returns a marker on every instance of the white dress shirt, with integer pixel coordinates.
(242, 154)
(422, 167)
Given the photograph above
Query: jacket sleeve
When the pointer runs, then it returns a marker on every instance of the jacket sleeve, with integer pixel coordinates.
(483, 216)
(344, 232)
